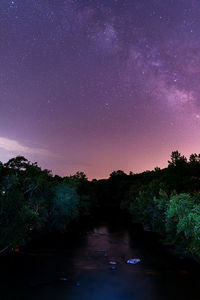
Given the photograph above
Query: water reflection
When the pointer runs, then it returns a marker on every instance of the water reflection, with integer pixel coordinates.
(84, 261)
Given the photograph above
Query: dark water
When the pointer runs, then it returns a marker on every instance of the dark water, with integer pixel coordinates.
(35, 274)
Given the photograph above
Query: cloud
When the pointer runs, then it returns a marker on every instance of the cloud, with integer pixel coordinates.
(16, 147)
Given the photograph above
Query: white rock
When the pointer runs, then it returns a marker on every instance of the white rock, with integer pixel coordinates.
(133, 261)
(112, 263)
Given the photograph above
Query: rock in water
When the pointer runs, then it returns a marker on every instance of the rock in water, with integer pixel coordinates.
(63, 278)
(112, 263)
(133, 261)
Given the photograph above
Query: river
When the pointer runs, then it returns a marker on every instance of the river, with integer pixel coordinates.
(83, 259)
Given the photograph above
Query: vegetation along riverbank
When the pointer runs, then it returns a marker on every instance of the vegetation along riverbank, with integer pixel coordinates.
(166, 201)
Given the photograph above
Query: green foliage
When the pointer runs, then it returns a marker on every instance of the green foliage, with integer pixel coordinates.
(159, 212)
(166, 200)
(85, 191)
(64, 207)
(183, 222)
(77, 179)
(16, 217)
(31, 200)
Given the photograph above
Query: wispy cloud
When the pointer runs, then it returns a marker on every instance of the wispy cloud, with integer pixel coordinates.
(18, 148)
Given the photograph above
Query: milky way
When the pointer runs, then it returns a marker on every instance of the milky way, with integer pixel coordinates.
(99, 85)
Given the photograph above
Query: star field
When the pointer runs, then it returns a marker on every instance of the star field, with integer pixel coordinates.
(99, 85)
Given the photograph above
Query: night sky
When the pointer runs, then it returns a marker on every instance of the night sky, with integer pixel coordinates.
(99, 85)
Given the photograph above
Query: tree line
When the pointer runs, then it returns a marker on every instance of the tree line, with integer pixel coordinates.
(166, 201)
(33, 200)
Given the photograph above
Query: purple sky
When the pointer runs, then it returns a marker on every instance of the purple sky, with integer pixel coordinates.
(99, 85)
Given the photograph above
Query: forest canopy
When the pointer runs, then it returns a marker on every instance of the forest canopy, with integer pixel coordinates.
(166, 201)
